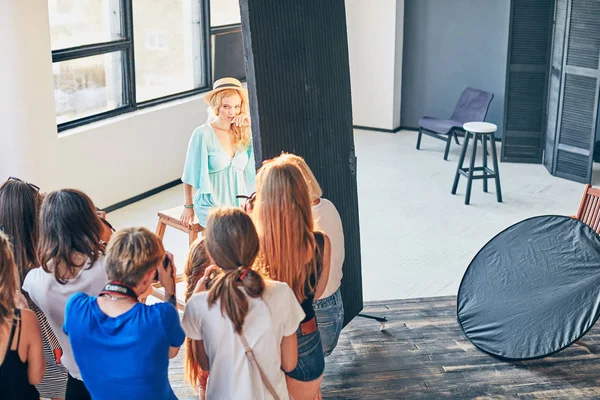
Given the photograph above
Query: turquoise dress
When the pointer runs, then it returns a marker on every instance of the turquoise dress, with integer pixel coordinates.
(217, 177)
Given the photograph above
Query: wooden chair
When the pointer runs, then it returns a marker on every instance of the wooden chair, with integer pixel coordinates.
(589, 208)
(171, 217)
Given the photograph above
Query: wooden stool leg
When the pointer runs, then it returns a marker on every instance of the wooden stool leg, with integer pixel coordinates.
(160, 229)
(496, 169)
(193, 236)
(471, 166)
(485, 179)
(461, 159)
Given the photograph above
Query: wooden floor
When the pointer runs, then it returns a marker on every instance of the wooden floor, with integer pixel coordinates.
(422, 353)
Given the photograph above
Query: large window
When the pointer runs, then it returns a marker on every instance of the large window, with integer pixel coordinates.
(115, 56)
(227, 49)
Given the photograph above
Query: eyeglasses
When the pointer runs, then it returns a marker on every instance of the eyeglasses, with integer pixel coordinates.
(249, 203)
(31, 185)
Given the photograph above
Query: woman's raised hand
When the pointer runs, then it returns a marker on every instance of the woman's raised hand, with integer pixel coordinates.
(201, 284)
(241, 119)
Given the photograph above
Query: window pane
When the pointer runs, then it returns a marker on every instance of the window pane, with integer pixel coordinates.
(168, 56)
(88, 86)
(224, 12)
(228, 54)
(78, 22)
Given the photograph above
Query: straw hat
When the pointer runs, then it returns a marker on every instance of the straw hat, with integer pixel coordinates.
(223, 84)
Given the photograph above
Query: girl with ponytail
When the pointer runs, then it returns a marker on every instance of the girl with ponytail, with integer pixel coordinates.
(243, 327)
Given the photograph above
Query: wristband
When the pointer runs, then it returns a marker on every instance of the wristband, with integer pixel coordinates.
(173, 300)
(188, 206)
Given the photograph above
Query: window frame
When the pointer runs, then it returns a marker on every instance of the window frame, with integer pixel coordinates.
(126, 46)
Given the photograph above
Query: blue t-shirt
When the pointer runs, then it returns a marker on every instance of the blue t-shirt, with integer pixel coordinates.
(126, 357)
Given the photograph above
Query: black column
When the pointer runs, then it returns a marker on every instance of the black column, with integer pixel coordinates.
(299, 85)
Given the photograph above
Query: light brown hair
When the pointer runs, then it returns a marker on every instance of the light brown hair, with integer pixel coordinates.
(9, 280)
(68, 225)
(314, 189)
(196, 263)
(232, 243)
(242, 135)
(283, 218)
(19, 208)
(131, 253)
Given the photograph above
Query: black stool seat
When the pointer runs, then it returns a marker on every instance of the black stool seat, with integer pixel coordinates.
(479, 131)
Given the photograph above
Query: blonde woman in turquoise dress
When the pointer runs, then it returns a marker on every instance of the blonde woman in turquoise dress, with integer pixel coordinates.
(220, 158)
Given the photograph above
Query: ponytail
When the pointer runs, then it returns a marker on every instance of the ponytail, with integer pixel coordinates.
(234, 303)
(232, 243)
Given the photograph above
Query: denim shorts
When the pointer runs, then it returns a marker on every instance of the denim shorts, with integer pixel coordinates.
(330, 318)
(311, 361)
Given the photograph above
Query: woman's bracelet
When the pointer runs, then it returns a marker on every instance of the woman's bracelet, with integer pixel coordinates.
(188, 206)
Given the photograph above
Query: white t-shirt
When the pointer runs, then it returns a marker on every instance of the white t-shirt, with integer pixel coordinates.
(327, 219)
(51, 297)
(270, 318)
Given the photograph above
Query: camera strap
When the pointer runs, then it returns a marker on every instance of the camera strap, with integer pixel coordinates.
(114, 287)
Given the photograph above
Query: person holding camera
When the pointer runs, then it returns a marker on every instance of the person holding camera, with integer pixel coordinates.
(22, 363)
(292, 251)
(20, 204)
(196, 264)
(122, 346)
(71, 258)
(243, 327)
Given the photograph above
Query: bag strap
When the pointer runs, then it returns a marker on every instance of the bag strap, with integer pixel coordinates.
(250, 355)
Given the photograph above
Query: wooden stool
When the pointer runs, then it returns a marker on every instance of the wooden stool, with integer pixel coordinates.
(479, 131)
(171, 217)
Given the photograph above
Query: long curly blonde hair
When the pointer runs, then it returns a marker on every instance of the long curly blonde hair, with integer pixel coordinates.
(241, 134)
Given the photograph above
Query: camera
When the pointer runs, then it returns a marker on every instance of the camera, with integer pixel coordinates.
(165, 264)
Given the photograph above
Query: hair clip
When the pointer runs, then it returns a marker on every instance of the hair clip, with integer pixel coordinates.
(244, 273)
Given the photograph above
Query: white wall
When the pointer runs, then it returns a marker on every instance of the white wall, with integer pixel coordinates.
(121, 157)
(399, 42)
(375, 49)
(27, 117)
(118, 158)
(111, 160)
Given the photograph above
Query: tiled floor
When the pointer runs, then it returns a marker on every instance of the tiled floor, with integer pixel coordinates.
(417, 239)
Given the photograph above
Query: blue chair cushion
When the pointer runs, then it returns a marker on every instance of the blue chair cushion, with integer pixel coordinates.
(440, 126)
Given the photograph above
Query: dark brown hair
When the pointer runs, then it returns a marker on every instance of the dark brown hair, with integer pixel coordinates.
(9, 281)
(232, 243)
(131, 253)
(68, 224)
(197, 261)
(19, 208)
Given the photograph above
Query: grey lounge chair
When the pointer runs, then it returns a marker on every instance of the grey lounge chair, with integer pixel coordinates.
(472, 106)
